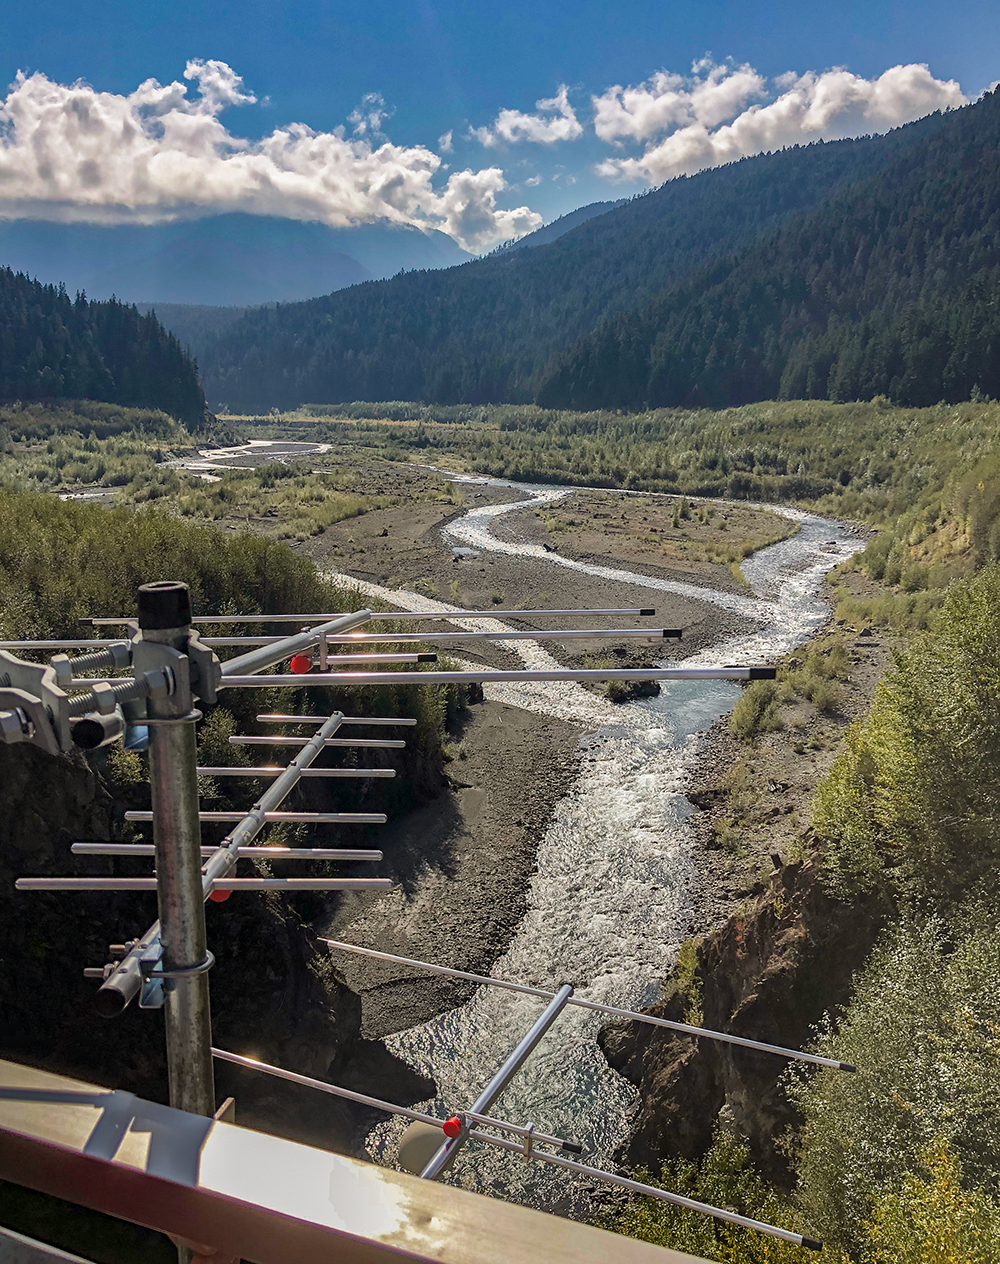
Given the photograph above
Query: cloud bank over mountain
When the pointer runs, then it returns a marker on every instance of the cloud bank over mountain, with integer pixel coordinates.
(717, 115)
(69, 152)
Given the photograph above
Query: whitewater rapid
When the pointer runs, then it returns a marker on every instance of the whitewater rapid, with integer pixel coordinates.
(610, 901)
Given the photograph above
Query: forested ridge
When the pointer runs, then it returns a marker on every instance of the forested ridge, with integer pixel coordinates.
(492, 330)
(890, 288)
(53, 347)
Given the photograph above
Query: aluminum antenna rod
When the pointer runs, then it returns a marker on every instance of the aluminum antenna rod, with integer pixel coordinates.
(337, 774)
(517, 1057)
(323, 679)
(269, 655)
(225, 641)
(88, 682)
(400, 722)
(515, 634)
(249, 853)
(685, 1029)
(218, 884)
(450, 615)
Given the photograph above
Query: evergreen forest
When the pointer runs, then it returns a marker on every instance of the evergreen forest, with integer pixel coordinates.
(53, 347)
(495, 329)
(837, 271)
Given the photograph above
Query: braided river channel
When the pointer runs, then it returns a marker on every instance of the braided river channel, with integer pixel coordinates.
(610, 901)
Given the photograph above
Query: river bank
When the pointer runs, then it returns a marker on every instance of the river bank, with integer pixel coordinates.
(752, 797)
(463, 864)
(771, 951)
(612, 893)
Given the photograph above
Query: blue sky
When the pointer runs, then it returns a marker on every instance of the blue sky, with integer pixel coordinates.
(452, 68)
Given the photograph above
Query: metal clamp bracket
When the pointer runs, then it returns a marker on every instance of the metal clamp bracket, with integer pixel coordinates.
(183, 972)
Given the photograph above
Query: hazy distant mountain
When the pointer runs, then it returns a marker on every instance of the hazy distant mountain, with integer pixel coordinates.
(225, 260)
(192, 325)
(573, 219)
(196, 325)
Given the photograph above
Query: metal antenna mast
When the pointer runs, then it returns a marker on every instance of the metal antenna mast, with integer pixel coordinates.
(164, 628)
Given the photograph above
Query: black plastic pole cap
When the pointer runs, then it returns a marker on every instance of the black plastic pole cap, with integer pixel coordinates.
(164, 604)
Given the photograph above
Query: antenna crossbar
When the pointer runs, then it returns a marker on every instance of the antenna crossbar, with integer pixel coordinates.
(684, 1029)
(515, 634)
(315, 818)
(321, 719)
(88, 682)
(354, 773)
(397, 614)
(322, 679)
(253, 853)
(378, 743)
(218, 884)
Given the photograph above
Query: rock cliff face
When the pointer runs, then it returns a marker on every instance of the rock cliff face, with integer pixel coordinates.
(274, 992)
(770, 973)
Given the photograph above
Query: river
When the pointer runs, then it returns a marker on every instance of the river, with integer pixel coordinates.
(610, 901)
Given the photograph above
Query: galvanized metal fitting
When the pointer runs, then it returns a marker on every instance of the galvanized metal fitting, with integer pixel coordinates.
(15, 726)
(158, 682)
(63, 669)
(104, 698)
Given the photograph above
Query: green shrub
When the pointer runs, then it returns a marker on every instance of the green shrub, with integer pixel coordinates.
(61, 561)
(825, 695)
(725, 1177)
(922, 1030)
(912, 798)
(756, 711)
(931, 1218)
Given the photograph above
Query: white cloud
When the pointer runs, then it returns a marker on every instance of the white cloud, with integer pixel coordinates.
(71, 153)
(444, 143)
(369, 116)
(693, 110)
(532, 182)
(667, 101)
(555, 121)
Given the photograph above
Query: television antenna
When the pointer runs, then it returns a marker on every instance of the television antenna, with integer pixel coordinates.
(164, 669)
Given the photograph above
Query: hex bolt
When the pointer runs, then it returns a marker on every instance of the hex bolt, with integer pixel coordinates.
(104, 698)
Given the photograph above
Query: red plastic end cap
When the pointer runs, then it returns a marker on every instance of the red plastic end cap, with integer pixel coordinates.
(300, 664)
(219, 896)
(452, 1127)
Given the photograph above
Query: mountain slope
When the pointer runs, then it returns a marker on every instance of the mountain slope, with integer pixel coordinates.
(52, 348)
(573, 219)
(224, 260)
(195, 327)
(491, 329)
(888, 289)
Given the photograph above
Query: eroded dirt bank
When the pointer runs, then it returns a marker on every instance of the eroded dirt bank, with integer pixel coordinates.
(769, 973)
